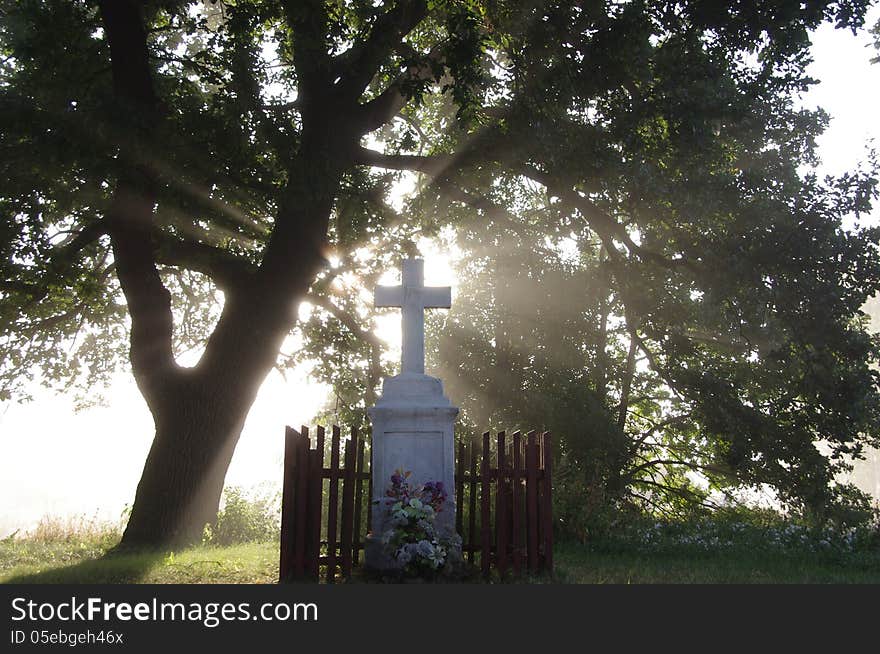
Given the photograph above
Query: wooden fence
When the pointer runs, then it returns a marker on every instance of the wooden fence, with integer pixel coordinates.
(303, 516)
(504, 502)
(503, 493)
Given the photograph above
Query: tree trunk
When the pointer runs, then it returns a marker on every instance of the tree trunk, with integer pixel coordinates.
(199, 412)
(179, 491)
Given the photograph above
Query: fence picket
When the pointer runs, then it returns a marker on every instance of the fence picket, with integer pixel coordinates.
(516, 482)
(333, 505)
(348, 481)
(319, 446)
(285, 563)
(485, 504)
(532, 501)
(459, 489)
(316, 496)
(547, 513)
(472, 502)
(501, 510)
(358, 499)
(302, 478)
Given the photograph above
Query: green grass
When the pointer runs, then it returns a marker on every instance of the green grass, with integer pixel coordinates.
(70, 562)
(250, 563)
(579, 564)
(79, 552)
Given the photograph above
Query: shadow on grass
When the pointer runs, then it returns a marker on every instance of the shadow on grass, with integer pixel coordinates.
(112, 568)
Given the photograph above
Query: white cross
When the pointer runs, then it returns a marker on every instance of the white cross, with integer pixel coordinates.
(413, 297)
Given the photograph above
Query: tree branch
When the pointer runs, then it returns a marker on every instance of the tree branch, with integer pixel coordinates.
(368, 337)
(308, 21)
(131, 217)
(244, 81)
(362, 62)
(388, 104)
(60, 260)
(487, 207)
(672, 462)
(433, 165)
(601, 222)
(629, 372)
(228, 271)
(440, 165)
(76, 242)
(675, 490)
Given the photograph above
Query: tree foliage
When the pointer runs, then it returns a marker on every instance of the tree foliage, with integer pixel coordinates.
(653, 272)
(647, 269)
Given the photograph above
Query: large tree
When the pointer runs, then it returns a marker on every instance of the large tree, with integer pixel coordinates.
(176, 151)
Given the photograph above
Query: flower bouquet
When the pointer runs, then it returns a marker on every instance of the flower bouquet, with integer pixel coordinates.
(412, 541)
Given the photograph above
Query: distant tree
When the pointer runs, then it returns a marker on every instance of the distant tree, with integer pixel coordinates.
(177, 154)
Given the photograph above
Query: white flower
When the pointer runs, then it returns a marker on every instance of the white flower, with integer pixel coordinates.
(425, 549)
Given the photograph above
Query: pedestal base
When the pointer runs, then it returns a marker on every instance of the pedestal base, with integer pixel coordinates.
(412, 432)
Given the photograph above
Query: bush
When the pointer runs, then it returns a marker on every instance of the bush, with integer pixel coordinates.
(245, 518)
(741, 529)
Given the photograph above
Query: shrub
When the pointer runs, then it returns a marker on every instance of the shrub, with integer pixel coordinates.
(245, 518)
(741, 529)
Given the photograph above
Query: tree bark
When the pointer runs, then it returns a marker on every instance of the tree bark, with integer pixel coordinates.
(199, 413)
(198, 425)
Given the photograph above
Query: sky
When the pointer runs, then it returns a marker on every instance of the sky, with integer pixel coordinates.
(55, 461)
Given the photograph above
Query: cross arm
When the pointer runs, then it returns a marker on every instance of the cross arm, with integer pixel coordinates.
(388, 296)
(437, 297)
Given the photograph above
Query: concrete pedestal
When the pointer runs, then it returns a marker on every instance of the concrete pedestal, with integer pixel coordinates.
(412, 431)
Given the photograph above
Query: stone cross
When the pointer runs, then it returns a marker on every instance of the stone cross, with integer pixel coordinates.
(413, 421)
(413, 297)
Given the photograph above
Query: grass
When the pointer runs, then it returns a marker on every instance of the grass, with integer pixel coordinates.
(69, 561)
(249, 563)
(79, 552)
(579, 564)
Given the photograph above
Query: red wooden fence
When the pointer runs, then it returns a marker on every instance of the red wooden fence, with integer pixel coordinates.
(304, 519)
(503, 493)
(512, 531)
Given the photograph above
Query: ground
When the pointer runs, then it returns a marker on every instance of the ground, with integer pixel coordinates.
(73, 558)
